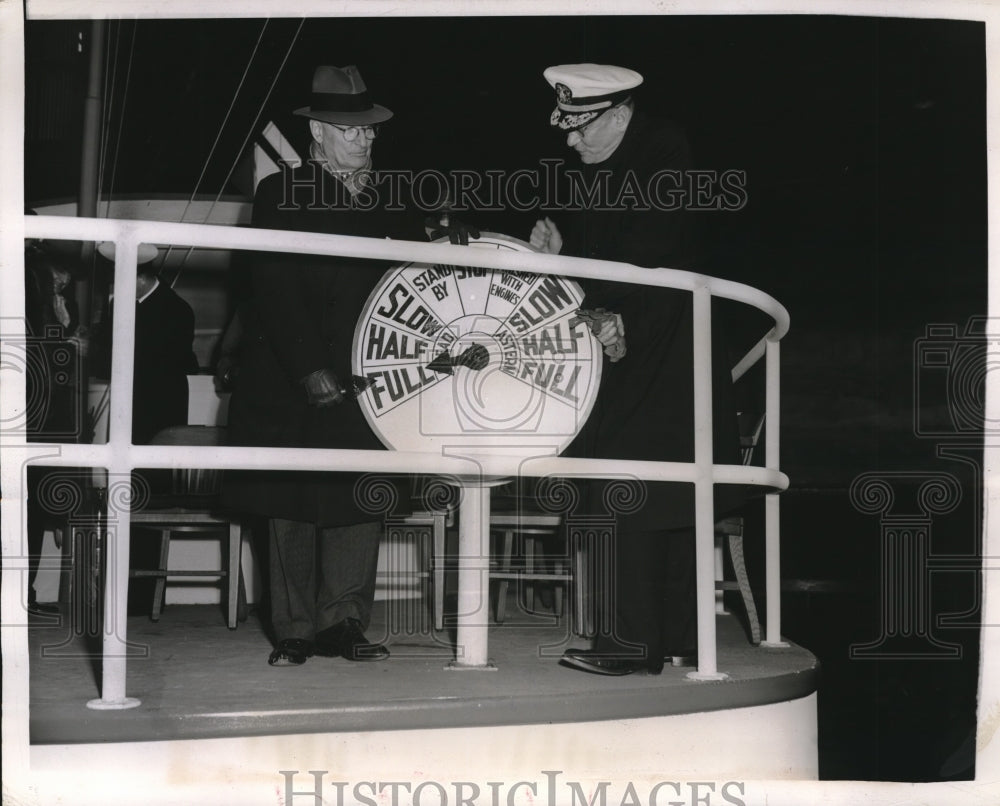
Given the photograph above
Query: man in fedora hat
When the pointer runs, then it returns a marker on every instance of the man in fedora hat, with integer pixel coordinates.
(645, 406)
(294, 387)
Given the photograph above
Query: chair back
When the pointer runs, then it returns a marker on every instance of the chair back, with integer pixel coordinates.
(751, 426)
(197, 480)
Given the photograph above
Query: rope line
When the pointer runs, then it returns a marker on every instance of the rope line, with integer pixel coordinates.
(211, 152)
(110, 69)
(246, 139)
(121, 117)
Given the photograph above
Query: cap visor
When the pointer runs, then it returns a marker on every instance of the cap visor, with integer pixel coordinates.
(571, 121)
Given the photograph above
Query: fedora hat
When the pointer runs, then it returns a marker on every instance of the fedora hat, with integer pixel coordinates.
(339, 95)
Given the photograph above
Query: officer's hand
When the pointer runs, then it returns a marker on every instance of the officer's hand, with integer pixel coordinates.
(545, 236)
(458, 232)
(609, 332)
(323, 389)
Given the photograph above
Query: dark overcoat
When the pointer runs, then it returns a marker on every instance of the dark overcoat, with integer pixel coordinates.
(299, 317)
(164, 357)
(645, 406)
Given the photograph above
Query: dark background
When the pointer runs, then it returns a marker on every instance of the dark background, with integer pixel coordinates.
(864, 145)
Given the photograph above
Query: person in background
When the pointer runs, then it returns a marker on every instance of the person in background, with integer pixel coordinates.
(164, 357)
(645, 407)
(164, 352)
(56, 345)
(59, 342)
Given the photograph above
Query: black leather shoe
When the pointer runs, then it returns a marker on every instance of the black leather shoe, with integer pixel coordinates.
(347, 640)
(598, 662)
(291, 652)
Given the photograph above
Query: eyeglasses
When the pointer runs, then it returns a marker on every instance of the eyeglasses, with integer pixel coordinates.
(582, 131)
(351, 132)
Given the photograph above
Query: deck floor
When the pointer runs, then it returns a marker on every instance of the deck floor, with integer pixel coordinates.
(197, 679)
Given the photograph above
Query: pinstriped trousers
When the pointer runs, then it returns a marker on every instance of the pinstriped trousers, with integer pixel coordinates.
(321, 576)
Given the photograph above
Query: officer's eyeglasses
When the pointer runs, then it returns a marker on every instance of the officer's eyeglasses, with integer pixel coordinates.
(351, 132)
(587, 127)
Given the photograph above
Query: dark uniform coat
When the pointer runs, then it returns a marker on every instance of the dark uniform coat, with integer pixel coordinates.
(300, 317)
(645, 407)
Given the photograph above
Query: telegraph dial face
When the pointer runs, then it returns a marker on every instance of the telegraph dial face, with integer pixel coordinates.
(469, 358)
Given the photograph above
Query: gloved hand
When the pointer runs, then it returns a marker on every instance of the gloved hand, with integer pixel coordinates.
(323, 389)
(612, 336)
(545, 236)
(608, 329)
(458, 232)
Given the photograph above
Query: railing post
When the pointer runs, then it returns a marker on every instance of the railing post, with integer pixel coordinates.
(120, 436)
(123, 349)
(704, 505)
(472, 635)
(772, 512)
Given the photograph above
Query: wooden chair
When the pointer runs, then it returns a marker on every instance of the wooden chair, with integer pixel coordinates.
(533, 527)
(432, 526)
(510, 520)
(190, 509)
(728, 534)
(731, 529)
(515, 517)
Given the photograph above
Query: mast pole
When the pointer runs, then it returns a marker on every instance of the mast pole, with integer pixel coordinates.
(87, 203)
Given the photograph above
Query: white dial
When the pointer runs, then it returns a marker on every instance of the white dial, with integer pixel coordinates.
(475, 358)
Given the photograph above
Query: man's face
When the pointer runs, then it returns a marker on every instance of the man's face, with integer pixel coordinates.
(343, 155)
(60, 279)
(598, 140)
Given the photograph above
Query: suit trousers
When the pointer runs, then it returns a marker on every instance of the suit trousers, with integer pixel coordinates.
(653, 596)
(321, 576)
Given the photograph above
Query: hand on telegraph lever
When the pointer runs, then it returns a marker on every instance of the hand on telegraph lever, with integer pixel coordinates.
(444, 223)
(324, 389)
(608, 328)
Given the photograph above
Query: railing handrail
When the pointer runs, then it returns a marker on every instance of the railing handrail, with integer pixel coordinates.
(293, 241)
(215, 236)
(485, 465)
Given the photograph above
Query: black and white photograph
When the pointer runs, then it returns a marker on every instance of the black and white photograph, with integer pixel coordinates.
(557, 403)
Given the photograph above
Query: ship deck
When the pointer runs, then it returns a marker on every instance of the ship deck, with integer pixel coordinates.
(197, 679)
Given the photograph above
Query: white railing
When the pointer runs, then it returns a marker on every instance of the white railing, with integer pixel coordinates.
(118, 456)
